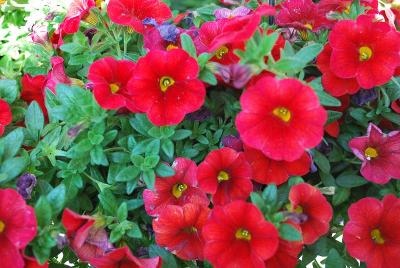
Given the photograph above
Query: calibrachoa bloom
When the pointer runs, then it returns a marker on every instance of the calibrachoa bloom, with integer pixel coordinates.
(123, 258)
(33, 89)
(165, 86)
(77, 11)
(291, 121)
(178, 189)
(372, 233)
(237, 235)
(266, 170)
(226, 175)
(179, 230)
(287, 254)
(315, 211)
(379, 153)
(302, 15)
(5, 115)
(18, 227)
(110, 78)
(335, 85)
(365, 49)
(86, 240)
(133, 12)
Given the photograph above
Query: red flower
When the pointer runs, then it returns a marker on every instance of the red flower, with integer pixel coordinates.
(266, 170)
(237, 235)
(179, 230)
(178, 190)
(33, 90)
(165, 86)
(78, 10)
(372, 234)
(302, 15)
(208, 34)
(5, 115)
(110, 78)
(31, 262)
(366, 50)
(344, 6)
(287, 254)
(333, 129)
(123, 258)
(333, 84)
(57, 74)
(291, 121)
(18, 227)
(226, 175)
(396, 106)
(380, 154)
(315, 209)
(133, 12)
(86, 240)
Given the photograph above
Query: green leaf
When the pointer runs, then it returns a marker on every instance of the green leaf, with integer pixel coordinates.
(98, 157)
(135, 231)
(208, 77)
(289, 233)
(122, 212)
(164, 170)
(168, 259)
(149, 178)
(43, 211)
(8, 90)
(308, 53)
(127, 174)
(167, 147)
(181, 134)
(341, 195)
(151, 161)
(34, 120)
(350, 181)
(270, 195)
(108, 201)
(334, 260)
(12, 143)
(116, 234)
(13, 167)
(322, 162)
(188, 45)
(73, 48)
(56, 198)
(257, 200)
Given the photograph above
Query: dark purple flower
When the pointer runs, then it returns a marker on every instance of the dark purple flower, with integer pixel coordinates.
(62, 241)
(25, 185)
(142, 252)
(168, 32)
(200, 115)
(150, 21)
(233, 142)
(324, 147)
(236, 75)
(89, 33)
(74, 131)
(364, 96)
(298, 218)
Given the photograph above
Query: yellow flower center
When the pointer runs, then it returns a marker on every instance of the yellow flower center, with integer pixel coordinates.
(114, 88)
(98, 3)
(365, 53)
(223, 176)
(282, 113)
(220, 53)
(243, 234)
(297, 210)
(2, 226)
(178, 189)
(377, 236)
(370, 153)
(91, 18)
(191, 230)
(303, 35)
(347, 9)
(171, 47)
(166, 82)
(308, 26)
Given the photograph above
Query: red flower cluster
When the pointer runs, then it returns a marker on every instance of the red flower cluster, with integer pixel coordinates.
(372, 233)
(18, 227)
(361, 54)
(133, 12)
